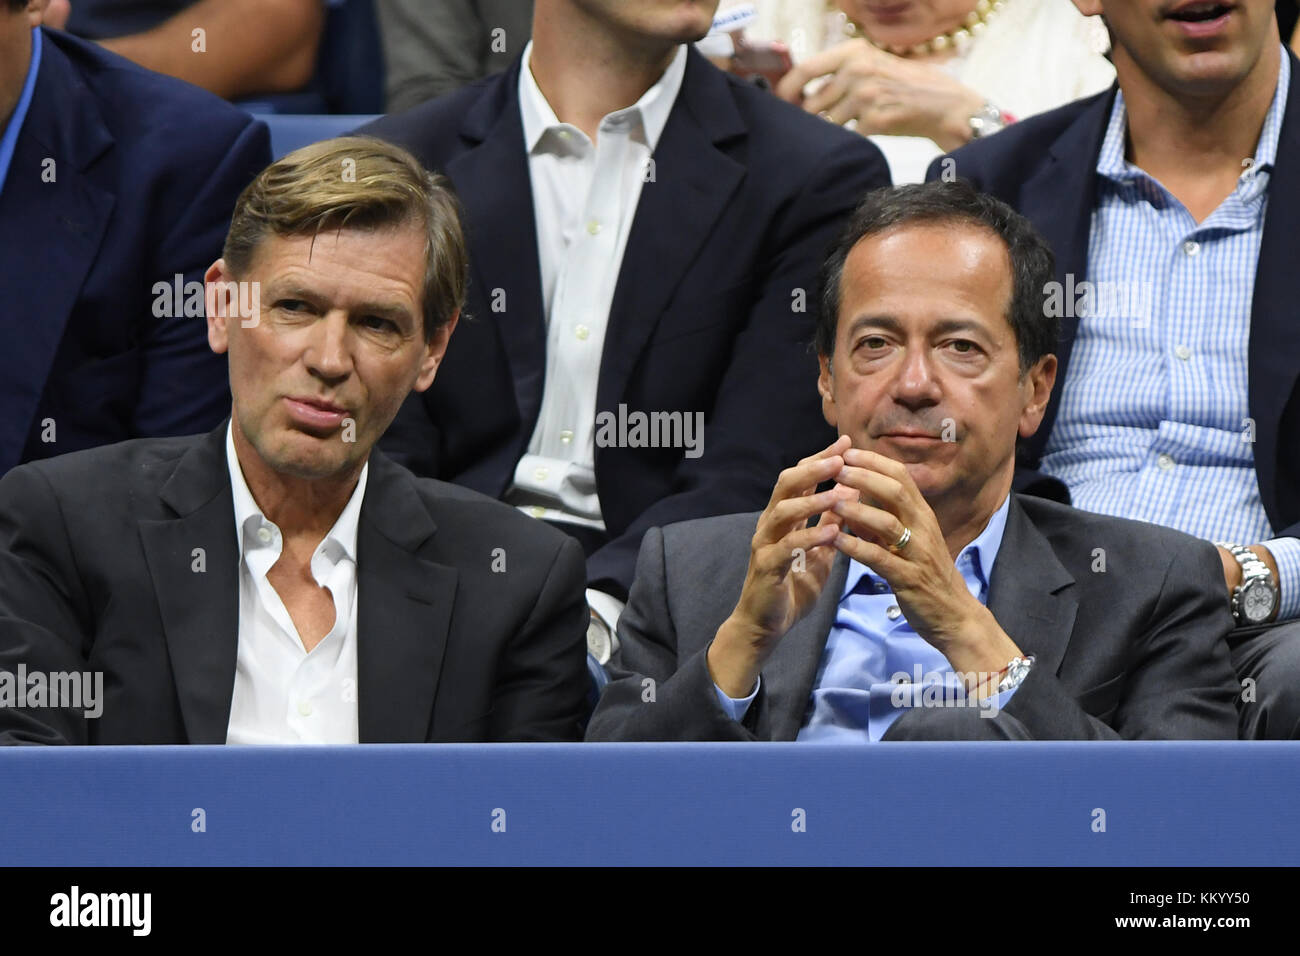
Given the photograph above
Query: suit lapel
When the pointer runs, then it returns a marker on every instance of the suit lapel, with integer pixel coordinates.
(792, 668)
(63, 125)
(1030, 592)
(694, 180)
(1274, 349)
(495, 189)
(403, 613)
(198, 590)
(1060, 199)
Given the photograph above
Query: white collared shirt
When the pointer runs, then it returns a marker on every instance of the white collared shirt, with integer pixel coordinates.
(585, 197)
(283, 694)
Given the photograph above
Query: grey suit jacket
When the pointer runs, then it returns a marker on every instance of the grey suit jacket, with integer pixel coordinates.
(124, 560)
(1134, 651)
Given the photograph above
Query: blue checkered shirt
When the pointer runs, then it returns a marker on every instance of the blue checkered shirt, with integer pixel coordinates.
(1154, 422)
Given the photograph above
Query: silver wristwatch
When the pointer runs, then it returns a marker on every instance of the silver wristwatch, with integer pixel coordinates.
(1016, 673)
(1254, 599)
(602, 643)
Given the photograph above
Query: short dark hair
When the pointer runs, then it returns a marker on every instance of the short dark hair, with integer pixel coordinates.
(1032, 262)
(16, 5)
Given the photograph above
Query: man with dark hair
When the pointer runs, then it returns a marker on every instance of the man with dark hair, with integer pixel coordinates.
(116, 186)
(926, 601)
(274, 581)
(644, 238)
(1170, 201)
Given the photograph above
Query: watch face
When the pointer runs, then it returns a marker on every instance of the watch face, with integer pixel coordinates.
(598, 642)
(1257, 602)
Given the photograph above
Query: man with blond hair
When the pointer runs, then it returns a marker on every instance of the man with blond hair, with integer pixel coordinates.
(273, 581)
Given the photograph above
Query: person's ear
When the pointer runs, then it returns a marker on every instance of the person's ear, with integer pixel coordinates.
(826, 388)
(1035, 392)
(221, 302)
(434, 351)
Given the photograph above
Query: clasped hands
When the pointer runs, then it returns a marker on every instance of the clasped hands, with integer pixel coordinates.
(862, 516)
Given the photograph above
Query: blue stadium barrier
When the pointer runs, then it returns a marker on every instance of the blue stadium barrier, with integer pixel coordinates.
(290, 131)
(1040, 804)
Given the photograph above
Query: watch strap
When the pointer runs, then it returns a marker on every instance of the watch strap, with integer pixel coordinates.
(1015, 673)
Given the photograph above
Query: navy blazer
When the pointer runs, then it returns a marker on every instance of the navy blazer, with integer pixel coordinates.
(145, 173)
(1045, 167)
(713, 312)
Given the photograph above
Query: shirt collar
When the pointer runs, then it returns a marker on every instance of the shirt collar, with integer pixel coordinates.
(1112, 164)
(344, 532)
(9, 141)
(652, 109)
(979, 556)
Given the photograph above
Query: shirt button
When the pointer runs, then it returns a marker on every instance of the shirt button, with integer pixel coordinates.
(564, 134)
(537, 511)
(1165, 462)
(264, 535)
(304, 708)
(566, 436)
(582, 332)
(1191, 247)
(1183, 352)
(540, 474)
(593, 227)
(893, 613)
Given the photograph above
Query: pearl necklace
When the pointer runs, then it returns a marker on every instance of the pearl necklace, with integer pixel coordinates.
(976, 22)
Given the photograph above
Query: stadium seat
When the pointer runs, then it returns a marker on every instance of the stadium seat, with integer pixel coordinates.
(291, 130)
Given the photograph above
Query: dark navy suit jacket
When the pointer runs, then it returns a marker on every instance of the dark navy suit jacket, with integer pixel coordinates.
(713, 310)
(1045, 167)
(145, 173)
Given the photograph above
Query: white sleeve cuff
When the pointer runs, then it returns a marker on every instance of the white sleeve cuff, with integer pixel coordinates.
(607, 608)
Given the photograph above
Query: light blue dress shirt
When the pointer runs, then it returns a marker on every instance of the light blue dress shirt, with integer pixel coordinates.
(875, 667)
(15, 125)
(1174, 443)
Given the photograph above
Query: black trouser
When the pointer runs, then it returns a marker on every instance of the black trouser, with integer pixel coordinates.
(1269, 657)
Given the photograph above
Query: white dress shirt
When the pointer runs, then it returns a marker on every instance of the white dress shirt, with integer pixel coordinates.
(584, 200)
(283, 694)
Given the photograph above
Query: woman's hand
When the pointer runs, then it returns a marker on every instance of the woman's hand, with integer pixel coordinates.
(885, 94)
